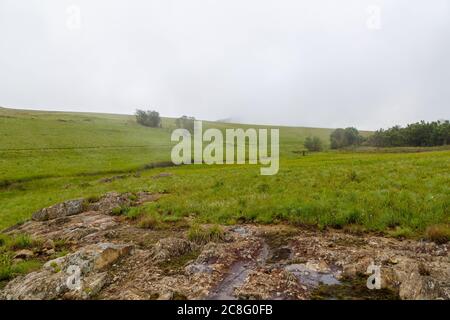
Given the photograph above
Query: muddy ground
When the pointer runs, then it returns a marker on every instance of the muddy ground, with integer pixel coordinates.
(110, 257)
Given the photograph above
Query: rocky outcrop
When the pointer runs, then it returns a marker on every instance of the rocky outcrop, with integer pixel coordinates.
(82, 228)
(64, 209)
(110, 201)
(80, 220)
(105, 205)
(418, 281)
(79, 275)
(168, 248)
(114, 259)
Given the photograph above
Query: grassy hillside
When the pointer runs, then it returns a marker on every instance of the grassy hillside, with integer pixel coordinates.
(47, 144)
(400, 194)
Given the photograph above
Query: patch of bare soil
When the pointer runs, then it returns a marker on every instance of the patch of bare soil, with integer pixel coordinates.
(114, 259)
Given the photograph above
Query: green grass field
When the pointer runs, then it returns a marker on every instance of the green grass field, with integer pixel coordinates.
(49, 144)
(48, 157)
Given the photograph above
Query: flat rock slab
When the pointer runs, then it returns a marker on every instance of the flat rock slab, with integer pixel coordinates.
(71, 228)
(64, 209)
(78, 275)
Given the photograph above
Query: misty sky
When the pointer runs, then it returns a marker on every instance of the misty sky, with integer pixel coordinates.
(322, 63)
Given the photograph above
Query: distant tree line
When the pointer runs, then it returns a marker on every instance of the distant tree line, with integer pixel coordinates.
(151, 118)
(419, 134)
(339, 138)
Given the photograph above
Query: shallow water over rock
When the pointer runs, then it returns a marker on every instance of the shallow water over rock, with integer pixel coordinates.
(311, 277)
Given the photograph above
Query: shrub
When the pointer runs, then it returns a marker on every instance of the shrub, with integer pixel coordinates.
(313, 144)
(341, 138)
(148, 118)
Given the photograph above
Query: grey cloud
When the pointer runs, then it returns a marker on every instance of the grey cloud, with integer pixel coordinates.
(311, 63)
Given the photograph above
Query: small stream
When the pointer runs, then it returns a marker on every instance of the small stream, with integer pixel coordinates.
(311, 278)
(239, 271)
(237, 275)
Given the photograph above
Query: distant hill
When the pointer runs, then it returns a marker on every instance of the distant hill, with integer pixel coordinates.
(47, 143)
(52, 129)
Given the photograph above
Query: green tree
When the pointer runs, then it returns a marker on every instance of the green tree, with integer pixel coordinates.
(313, 144)
(337, 138)
(148, 118)
(419, 134)
(341, 138)
(351, 136)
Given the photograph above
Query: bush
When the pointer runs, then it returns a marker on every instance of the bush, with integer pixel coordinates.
(313, 144)
(341, 138)
(148, 118)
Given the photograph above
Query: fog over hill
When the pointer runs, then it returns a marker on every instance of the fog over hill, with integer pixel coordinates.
(321, 63)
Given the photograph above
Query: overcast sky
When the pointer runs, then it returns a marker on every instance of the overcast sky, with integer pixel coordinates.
(322, 63)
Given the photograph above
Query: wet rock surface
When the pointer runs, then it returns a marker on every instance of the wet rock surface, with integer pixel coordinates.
(114, 259)
(78, 275)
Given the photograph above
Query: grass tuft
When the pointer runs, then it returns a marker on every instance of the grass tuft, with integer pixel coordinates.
(119, 211)
(9, 269)
(401, 233)
(149, 222)
(439, 233)
(202, 235)
(18, 242)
